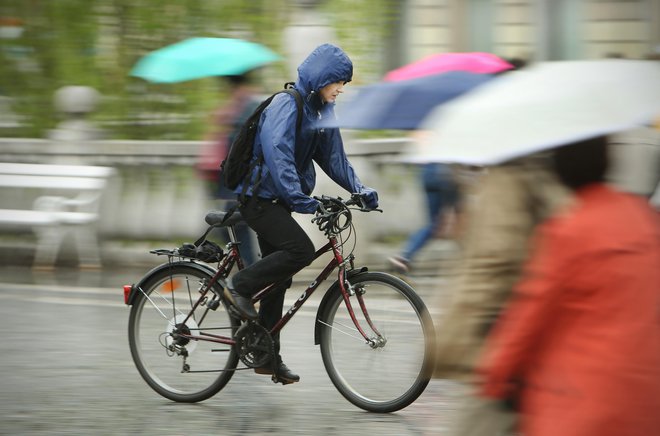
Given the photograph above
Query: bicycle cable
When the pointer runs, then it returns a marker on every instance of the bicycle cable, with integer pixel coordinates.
(344, 240)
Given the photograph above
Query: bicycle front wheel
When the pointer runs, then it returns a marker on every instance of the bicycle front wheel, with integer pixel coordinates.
(185, 369)
(390, 370)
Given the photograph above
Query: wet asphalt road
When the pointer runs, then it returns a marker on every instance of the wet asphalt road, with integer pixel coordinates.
(66, 369)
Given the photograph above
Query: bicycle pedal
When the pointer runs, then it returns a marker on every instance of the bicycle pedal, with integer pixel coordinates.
(213, 304)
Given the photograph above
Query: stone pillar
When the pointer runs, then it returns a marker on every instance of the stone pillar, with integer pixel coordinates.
(73, 143)
(74, 103)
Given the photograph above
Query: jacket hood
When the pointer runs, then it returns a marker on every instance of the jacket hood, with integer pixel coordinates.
(326, 64)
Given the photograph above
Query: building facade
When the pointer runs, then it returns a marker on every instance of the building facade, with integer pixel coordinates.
(533, 30)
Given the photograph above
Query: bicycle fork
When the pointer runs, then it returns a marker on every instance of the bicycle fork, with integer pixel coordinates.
(348, 290)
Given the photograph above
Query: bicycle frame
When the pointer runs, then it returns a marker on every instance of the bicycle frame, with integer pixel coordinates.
(337, 261)
(174, 304)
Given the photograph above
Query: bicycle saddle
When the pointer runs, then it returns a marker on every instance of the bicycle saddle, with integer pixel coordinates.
(214, 218)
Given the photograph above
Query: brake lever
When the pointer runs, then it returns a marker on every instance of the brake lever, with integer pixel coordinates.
(358, 200)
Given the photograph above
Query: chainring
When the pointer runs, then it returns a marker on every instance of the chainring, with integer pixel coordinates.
(254, 345)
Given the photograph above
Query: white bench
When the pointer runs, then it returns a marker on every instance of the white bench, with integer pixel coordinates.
(68, 199)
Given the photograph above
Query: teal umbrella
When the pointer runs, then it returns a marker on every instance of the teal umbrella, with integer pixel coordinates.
(195, 58)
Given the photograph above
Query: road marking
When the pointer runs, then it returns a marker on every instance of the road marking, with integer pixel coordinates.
(61, 300)
(310, 305)
(61, 288)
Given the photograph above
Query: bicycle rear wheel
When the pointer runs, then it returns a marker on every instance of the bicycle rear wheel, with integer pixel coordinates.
(184, 370)
(392, 370)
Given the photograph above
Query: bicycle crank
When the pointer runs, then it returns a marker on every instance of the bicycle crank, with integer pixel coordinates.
(254, 345)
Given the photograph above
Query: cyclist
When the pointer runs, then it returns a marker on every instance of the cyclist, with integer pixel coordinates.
(287, 180)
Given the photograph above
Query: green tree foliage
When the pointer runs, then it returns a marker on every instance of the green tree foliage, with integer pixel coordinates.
(364, 27)
(96, 43)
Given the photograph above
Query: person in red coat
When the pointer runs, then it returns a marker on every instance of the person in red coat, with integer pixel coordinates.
(577, 349)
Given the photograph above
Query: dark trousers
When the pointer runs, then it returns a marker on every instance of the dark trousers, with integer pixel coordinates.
(285, 250)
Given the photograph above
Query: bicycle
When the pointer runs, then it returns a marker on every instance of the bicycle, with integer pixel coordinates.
(187, 341)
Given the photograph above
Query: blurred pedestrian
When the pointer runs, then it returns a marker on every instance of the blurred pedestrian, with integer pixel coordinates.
(506, 203)
(286, 180)
(442, 196)
(578, 348)
(224, 125)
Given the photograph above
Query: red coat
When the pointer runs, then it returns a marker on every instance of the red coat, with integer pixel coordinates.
(583, 330)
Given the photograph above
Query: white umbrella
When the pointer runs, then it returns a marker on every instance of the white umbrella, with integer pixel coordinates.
(541, 107)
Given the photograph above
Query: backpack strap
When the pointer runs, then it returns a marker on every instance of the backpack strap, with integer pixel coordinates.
(289, 89)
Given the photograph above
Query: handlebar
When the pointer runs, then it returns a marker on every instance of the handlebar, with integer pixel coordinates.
(334, 214)
(331, 203)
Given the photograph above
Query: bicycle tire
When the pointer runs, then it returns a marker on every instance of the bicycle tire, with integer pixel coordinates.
(385, 378)
(166, 297)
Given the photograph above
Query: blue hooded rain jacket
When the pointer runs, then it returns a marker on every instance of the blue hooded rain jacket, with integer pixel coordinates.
(288, 171)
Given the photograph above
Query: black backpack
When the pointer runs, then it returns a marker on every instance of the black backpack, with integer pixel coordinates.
(236, 165)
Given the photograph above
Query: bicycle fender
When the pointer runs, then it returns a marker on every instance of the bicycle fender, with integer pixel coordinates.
(324, 302)
(134, 288)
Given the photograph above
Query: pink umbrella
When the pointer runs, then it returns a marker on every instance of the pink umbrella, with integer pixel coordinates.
(481, 63)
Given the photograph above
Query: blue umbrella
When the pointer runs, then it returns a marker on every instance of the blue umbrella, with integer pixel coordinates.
(195, 58)
(403, 105)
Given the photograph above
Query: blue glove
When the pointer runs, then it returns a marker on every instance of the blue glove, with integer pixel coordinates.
(370, 197)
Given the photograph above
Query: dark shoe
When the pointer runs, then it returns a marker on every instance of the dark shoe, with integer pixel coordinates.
(282, 374)
(241, 303)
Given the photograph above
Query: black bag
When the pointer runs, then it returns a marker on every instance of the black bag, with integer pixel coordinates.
(236, 165)
(206, 251)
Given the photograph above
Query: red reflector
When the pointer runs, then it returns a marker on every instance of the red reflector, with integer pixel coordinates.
(127, 292)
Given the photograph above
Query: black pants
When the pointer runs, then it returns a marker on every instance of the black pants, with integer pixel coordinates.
(285, 250)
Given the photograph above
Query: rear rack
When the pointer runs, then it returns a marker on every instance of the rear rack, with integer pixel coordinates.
(165, 252)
